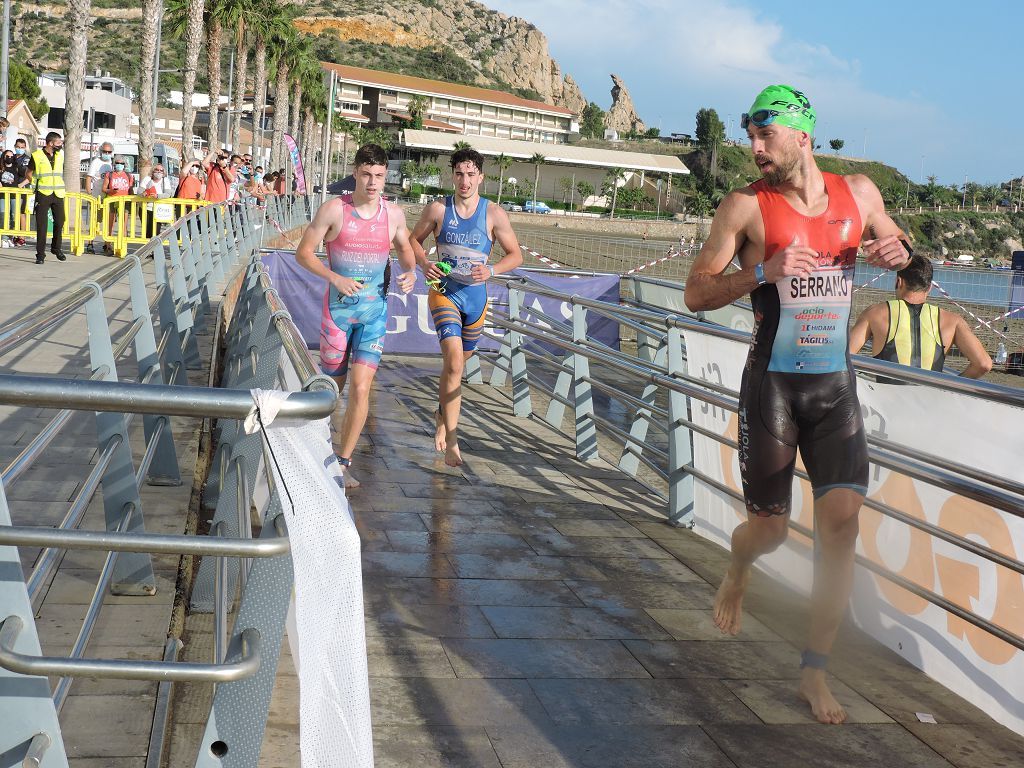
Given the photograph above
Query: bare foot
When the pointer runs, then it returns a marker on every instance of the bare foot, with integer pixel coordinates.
(452, 455)
(814, 690)
(439, 432)
(729, 602)
(350, 480)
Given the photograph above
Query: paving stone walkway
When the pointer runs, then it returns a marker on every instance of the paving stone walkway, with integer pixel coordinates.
(530, 611)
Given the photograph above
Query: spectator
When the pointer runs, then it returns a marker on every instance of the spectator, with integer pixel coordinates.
(8, 202)
(279, 182)
(218, 176)
(255, 192)
(22, 159)
(240, 175)
(156, 185)
(116, 183)
(101, 165)
(190, 186)
(46, 170)
(909, 331)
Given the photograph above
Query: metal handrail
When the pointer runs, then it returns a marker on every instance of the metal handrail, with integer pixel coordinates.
(166, 400)
(126, 669)
(153, 543)
(995, 392)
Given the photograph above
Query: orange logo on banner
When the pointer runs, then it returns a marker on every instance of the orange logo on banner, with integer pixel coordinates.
(961, 582)
(899, 493)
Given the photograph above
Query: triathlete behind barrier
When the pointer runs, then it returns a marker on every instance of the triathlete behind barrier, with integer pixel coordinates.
(358, 231)
(910, 331)
(796, 232)
(465, 227)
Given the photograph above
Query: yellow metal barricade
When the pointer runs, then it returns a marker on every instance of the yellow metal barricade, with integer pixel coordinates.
(16, 218)
(135, 219)
(81, 219)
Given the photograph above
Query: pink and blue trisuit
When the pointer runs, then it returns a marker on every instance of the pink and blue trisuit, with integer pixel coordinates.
(353, 327)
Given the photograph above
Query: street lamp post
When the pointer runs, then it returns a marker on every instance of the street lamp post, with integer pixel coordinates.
(4, 71)
(963, 203)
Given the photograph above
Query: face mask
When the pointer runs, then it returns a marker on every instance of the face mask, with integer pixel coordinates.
(259, 177)
(19, 150)
(119, 166)
(193, 170)
(157, 176)
(104, 155)
(244, 169)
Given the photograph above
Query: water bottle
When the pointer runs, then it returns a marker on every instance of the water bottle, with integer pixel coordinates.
(1001, 354)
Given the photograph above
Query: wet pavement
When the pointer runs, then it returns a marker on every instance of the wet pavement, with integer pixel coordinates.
(527, 610)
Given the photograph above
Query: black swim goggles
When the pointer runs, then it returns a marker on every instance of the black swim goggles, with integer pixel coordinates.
(761, 118)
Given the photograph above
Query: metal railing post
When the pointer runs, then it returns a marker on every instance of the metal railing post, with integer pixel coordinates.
(192, 258)
(238, 716)
(582, 396)
(260, 359)
(26, 707)
(473, 372)
(182, 300)
(133, 572)
(522, 405)
(629, 462)
(562, 391)
(215, 246)
(680, 441)
(163, 470)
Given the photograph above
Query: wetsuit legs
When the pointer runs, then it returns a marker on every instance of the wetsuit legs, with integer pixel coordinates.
(836, 528)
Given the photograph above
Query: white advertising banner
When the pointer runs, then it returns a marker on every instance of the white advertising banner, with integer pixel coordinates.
(988, 436)
(327, 630)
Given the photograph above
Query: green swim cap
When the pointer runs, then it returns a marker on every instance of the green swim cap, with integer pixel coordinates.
(782, 105)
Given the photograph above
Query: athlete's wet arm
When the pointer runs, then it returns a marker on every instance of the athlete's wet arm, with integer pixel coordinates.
(425, 227)
(862, 329)
(401, 242)
(506, 238)
(886, 245)
(706, 286)
(979, 362)
(305, 253)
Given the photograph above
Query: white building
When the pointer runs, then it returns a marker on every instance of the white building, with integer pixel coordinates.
(108, 98)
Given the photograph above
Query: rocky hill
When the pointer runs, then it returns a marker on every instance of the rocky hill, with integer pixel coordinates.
(462, 42)
(465, 43)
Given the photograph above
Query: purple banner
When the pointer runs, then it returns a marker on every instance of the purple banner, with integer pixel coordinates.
(300, 177)
(410, 329)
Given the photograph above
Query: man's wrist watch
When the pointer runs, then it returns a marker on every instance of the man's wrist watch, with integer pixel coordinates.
(759, 273)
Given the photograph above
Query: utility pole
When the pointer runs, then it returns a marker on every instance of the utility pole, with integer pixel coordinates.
(4, 70)
(325, 160)
(963, 203)
(227, 112)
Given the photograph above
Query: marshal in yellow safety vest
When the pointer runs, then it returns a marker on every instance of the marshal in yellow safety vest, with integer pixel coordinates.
(48, 178)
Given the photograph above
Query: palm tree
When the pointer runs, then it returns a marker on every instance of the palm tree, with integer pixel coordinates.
(418, 106)
(302, 65)
(184, 18)
(214, 21)
(266, 21)
(538, 160)
(147, 104)
(612, 179)
(504, 163)
(235, 16)
(282, 44)
(461, 145)
(78, 21)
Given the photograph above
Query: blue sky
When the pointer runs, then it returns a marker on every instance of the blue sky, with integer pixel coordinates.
(911, 84)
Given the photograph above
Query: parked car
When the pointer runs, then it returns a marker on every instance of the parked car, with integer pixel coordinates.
(510, 206)
(541, 207)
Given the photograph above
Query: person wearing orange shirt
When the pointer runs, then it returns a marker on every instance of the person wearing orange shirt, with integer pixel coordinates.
(219, 176)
